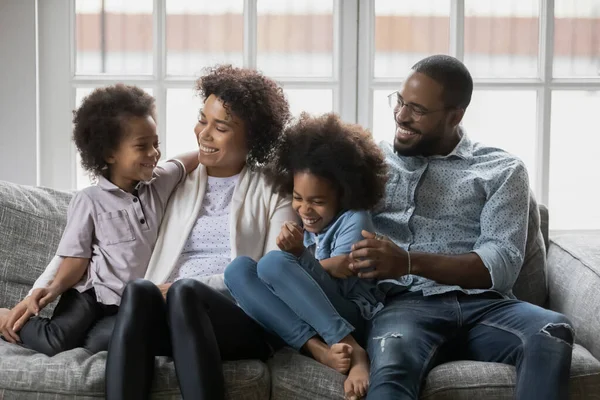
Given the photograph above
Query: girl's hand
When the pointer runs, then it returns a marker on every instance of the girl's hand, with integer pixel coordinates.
(291, 238)
(338, 266)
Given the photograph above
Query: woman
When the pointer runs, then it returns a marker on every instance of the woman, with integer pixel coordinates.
(224, 209)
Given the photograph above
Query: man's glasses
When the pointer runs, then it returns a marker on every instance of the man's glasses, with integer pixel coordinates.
(396, 102)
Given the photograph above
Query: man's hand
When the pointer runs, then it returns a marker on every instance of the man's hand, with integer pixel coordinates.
(40, 298)
(291, 238)
(338, 266)
(378, 258)
(14, 321)
(164, 288)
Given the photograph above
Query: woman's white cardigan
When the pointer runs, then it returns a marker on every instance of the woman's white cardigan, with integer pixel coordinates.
(255, 218)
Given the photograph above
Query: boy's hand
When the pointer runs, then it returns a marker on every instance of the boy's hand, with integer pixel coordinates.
(40, 298)
(14, 321)
(291, 238)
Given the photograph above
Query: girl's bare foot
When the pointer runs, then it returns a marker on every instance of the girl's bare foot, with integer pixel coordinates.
(357, 383)
(338, 357)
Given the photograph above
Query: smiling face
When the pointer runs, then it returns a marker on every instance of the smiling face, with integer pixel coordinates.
(315, 200)
(221, 138)
(137, 154)
(425, 125)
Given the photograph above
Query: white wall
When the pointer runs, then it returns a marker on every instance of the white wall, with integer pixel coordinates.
(18, 91)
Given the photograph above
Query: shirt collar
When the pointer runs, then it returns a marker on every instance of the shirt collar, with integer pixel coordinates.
(107, 185)
(463, 149)
(310, 238)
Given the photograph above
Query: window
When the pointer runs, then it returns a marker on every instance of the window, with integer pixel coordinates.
(163, 47)
(536, 66)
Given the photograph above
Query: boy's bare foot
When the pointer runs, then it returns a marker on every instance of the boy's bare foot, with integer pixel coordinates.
(3, 313)
(357, 383)
(338, 357)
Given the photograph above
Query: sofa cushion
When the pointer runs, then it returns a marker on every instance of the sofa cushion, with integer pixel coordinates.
(31, 223)
(471, 380)
(574, 283)
(294, 376)
(25, 374)
(531, 284)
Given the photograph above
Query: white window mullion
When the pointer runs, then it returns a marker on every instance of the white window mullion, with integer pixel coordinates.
(366, 59)
(346, 59)
(250, 33)
(457, 29)
(544, 101)
(160, 70)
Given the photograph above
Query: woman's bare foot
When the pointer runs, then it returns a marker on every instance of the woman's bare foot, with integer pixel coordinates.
(357, 383)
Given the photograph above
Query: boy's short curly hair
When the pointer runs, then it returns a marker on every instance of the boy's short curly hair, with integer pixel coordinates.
(255, 99)
(99, 122)
(343, 153)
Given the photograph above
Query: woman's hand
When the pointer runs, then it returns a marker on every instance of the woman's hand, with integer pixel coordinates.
(291, 238)
(40, 298)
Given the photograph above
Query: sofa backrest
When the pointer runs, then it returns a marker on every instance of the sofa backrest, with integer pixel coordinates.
(531, 285)
(31, 223)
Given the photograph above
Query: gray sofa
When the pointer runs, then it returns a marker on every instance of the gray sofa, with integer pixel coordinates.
(31, 222)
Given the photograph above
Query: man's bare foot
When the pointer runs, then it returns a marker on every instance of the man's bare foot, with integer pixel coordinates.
(357, 383)
(338, 357)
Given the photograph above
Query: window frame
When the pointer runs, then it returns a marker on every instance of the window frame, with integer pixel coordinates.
(58, 159)
(544, 85)
(352, 81)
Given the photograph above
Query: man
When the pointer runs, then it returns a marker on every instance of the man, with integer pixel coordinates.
(455, 217)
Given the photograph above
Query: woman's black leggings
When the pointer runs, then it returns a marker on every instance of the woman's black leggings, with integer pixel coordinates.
(197, 326)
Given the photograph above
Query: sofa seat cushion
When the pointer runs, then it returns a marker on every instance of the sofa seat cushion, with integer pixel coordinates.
(25, 375)
(294, 376)
(462, 380)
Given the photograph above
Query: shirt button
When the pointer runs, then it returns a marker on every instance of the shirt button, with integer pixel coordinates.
(142, 221)
(135, 200)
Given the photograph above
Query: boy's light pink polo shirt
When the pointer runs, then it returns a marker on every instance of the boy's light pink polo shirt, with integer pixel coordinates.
(117, 230)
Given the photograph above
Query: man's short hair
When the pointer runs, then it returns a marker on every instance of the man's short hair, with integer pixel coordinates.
(452, 75)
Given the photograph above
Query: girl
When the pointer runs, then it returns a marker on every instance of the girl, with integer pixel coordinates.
(306, 293)
(111, 227)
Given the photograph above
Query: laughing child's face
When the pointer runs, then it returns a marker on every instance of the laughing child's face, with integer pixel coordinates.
(316, 200)
(137, 154)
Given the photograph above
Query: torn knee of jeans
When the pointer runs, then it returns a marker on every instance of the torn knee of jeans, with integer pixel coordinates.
(383, 338)
(563, 332)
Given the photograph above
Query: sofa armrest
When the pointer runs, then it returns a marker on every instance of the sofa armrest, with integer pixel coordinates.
(574, 283)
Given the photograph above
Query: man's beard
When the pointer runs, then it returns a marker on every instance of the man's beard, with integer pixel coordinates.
(424, 146)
